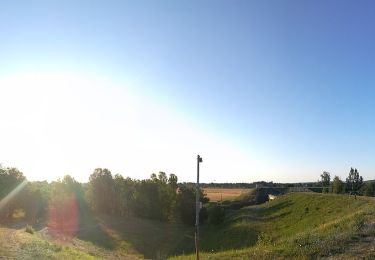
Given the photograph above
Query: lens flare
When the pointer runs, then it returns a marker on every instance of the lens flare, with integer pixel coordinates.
(63, 217)
(12, 194)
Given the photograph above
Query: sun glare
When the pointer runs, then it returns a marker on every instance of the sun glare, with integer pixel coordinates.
(12, 194)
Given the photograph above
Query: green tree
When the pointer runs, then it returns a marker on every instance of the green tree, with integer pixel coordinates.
(354, 181)
(172, 182)
(337, 185)
(156, 197)
(39, 195)
(10, 179)
(124, 195)
(185, 204)
(325, 179)
(369, 189)
(101, 188)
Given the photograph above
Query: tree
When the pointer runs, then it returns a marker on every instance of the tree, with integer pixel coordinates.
(172, 182)
(337, 185)
(156, 197)
(101, 190)
(354, 181)
(65, 206)
(124, 195)
(10, 179)
(185, 204)
(325, 179)
(369, 189)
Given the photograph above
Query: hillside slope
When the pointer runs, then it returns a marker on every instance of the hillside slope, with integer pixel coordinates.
(99, 237)
(17, 244)
(295, 225)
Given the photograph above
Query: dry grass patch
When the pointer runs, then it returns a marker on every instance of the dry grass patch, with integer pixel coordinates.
(220, 194)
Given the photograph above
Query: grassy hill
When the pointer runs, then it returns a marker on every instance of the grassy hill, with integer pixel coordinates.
(99, 237)
(17, 244)
(296, 225)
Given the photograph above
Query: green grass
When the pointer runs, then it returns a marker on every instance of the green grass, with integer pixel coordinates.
(18, 244)
(139, 237)
(100, 236)
(297, 225)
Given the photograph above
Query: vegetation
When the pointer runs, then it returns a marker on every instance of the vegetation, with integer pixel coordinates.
(117, 217)
(337, 185)
(159, 197)
(296, 225)
(325, 180)
(354, 181)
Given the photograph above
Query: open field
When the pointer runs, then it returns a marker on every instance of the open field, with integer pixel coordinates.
(295, 225)
(219, 194)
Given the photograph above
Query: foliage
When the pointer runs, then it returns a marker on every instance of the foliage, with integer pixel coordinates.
(325, 179)
(337, 185)
(368, 189)
(216, 214)
(185, 204)
(100, 192)
(124, 195)
(10, 178)
(354, 181)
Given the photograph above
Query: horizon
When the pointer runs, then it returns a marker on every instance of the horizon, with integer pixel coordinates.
(262, 91)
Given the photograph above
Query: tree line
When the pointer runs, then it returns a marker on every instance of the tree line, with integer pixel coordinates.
(353, 184)
(159, 197)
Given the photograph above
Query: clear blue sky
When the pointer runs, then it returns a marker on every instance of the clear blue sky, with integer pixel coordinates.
(279, 90)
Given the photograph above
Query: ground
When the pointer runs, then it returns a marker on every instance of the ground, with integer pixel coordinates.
(99, 236)
(296, 225)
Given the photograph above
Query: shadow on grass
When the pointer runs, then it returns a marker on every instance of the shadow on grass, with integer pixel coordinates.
(153, 239)
(90, 230)
(239, 230)
(216, 238)
(275, 208)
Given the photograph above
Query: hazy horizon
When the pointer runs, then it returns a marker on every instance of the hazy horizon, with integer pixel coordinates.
(273, 91)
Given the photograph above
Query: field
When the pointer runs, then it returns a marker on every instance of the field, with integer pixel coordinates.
(219, 194)
(295, 225)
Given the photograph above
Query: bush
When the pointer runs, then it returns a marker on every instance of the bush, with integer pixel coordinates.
(216, 215)
(185, 205)
(369, 189)
(203, 215)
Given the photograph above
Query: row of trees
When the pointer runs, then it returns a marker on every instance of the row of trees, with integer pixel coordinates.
(353, 184)
(159, 197)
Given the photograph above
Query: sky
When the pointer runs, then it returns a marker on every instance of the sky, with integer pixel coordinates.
(263, 90)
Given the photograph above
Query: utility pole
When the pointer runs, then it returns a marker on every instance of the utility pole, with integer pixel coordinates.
(197, 209)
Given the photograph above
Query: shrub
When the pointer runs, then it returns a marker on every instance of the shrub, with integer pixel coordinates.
(203, 215)
(216, 215)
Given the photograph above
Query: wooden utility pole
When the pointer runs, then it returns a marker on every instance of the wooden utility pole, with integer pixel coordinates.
(197, 209)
